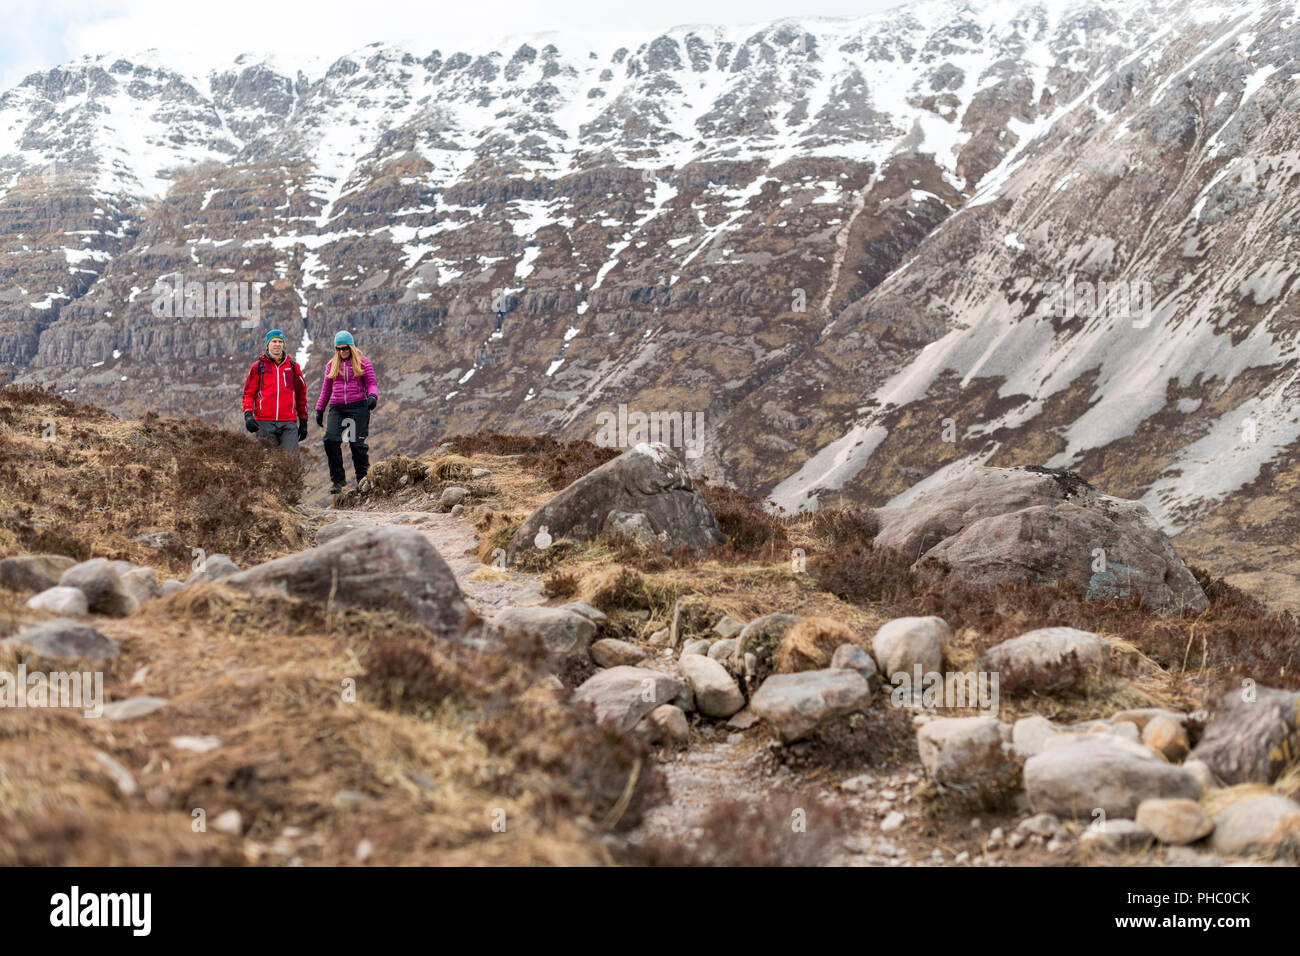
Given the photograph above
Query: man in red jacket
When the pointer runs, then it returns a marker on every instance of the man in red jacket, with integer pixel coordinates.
(275, 396)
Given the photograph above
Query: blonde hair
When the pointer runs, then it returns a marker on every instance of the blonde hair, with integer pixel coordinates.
(335, 365)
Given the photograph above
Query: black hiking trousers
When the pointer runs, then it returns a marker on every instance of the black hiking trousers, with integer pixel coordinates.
(351, 424)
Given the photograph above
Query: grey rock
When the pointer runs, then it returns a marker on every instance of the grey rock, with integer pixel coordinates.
(336, 529)
(1000, 525)
(1251, 741)
(665, 723)
(1175, 822)
(216, 567)
(721, 650)
(795, 704)
(1084, 773)
(1116, 836)
(972, 755)
(63, 637)
(728, 627)
(133, 707)
(33, 572)
(716, 692)
(171, 586)
(852, 657)
(1029, 734)
(394, 569)
(142, 584)
(612, 653)
(102, 585)
(60, 600)
(1047, 659)
(1266, 825)
(648, 479)
(594, 615)
(621, 696)
(565, 635)
(700, 646)
(903, 644)
(451, 496)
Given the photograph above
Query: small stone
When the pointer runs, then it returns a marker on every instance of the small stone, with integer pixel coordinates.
(133, 707)
(364, 850)
(660, 637)
(1166, 737)
(666, 722)
(452, 495)
(196, 744)
(1175, 822)
(121, 776)
(1116, 836)
(699, 646)
(892, 822)
(862, 783)
(609, 652)
(716, 691)
(728, 627)
(229, 822)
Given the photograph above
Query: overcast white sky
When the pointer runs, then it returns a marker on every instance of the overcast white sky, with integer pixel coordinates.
(39, 34)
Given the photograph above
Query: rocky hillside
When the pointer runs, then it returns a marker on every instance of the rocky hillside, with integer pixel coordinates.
(867, 252)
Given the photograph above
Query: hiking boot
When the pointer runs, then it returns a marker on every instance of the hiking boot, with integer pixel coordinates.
(336, 490)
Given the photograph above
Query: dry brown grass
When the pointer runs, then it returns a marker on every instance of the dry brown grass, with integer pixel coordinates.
(435, 746)
(100, 482)
(810, 644)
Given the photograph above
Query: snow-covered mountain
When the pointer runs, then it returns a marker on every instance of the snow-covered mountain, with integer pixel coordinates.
(867, 250)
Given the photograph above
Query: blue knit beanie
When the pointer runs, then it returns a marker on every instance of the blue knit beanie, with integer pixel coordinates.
(343, 338)
(274, 334)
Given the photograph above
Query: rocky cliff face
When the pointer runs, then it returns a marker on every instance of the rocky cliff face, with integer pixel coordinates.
(868, 252)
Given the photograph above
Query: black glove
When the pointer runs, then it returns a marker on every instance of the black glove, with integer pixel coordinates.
(302, 429)
(250, 422)
(320, 418)
(370, 402)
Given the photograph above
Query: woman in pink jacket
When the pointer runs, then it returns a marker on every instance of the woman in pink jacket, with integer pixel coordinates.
(349, 391)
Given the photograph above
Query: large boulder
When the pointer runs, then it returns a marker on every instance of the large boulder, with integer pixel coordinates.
(971, 755)
(215, 567)
(1074, 777)
(374, 568)
(1251, 740)
(621, 696)
(1038, 525)
(794, 705)
(65, 638)
(649, 480)
(33, 572)
(100, 581)
(1050, 658)
(564, 635)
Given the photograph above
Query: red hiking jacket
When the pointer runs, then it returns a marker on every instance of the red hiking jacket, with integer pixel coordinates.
(283, 391)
